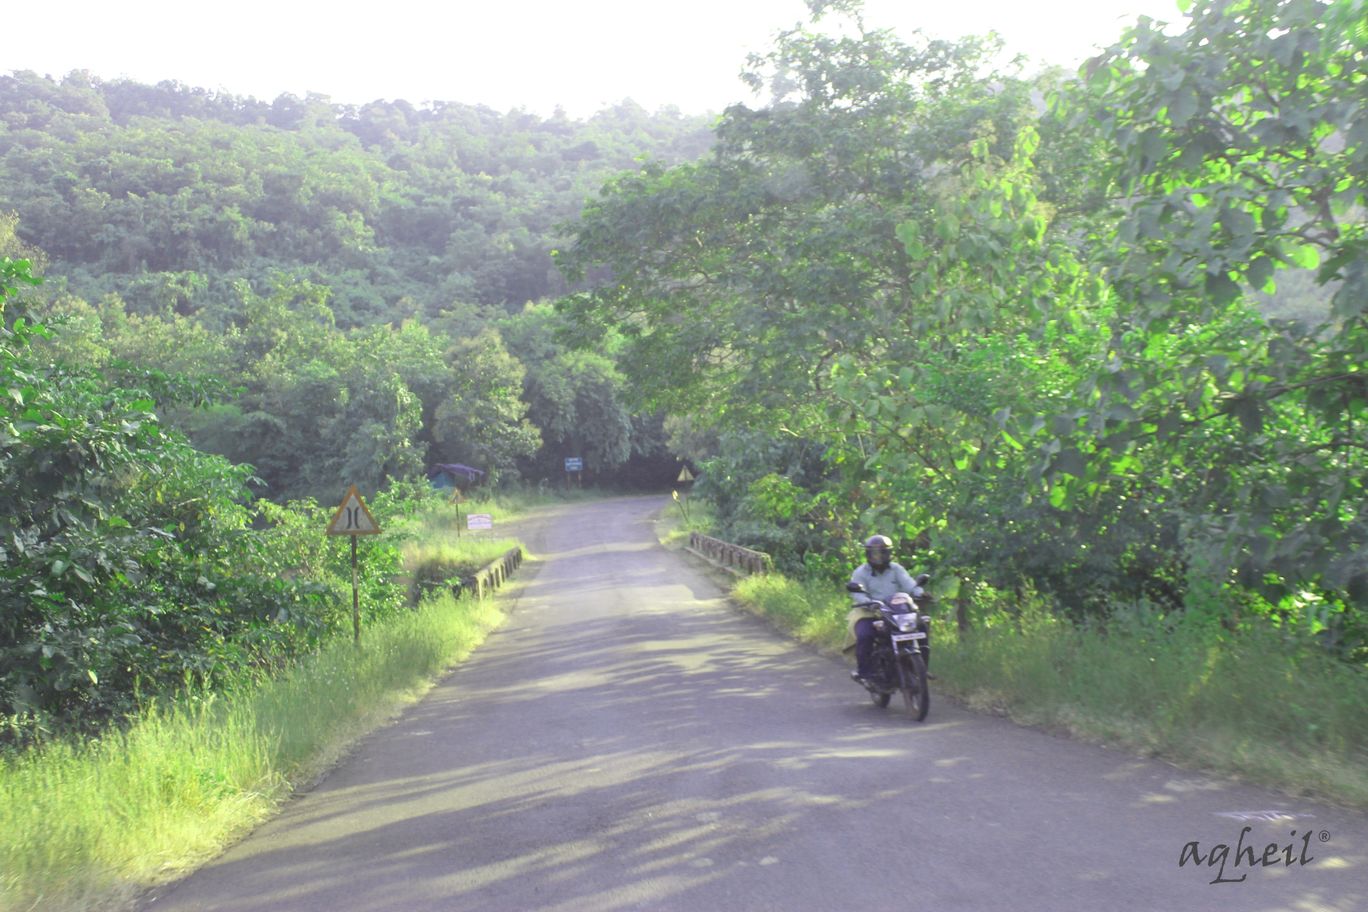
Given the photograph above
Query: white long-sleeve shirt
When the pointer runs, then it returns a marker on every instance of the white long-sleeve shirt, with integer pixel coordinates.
(881, 585)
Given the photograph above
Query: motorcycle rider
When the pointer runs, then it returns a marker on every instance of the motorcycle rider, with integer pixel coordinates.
(882, 579)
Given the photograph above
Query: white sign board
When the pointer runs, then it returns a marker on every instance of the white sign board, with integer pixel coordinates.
(479, 521)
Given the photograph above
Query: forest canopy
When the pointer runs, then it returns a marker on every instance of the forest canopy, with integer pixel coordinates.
(339, 276)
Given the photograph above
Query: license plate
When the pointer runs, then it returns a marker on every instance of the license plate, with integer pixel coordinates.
(904, 637)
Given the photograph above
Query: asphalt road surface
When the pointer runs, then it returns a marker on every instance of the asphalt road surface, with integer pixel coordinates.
(630, 741)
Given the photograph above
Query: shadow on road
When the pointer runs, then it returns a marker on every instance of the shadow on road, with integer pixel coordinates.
(628, 742)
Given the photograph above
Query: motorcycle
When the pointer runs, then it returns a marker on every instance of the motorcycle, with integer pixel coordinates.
(898, 660)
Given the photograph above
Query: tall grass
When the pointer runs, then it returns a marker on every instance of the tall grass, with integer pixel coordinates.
(807, 610)
(1254, 703)
(87, 826)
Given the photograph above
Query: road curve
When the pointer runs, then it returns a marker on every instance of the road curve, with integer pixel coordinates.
(629, 741)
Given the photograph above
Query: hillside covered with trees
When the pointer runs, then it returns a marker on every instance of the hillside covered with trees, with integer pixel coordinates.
(352, 281)
(1094, 342)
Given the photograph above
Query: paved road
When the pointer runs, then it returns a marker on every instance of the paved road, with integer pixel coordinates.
(628, 741)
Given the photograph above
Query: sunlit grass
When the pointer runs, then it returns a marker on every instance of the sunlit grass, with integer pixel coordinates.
(89, 825)
(1252, 704)
(806, 610)
(684, 515)
(85, 826)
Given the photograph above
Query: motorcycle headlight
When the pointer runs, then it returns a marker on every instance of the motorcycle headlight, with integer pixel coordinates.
(906, 622)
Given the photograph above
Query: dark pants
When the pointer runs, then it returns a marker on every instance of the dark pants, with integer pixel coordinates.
(864, 645)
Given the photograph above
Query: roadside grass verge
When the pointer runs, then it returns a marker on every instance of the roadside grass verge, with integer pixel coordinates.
(683, 516)
(90, 825)
(804, 609)
(1254, 704)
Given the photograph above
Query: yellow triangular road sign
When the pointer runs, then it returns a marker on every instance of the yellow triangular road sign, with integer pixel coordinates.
(685, 474)
(353, 517)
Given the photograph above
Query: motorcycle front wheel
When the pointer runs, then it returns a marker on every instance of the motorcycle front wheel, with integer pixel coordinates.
(916, 695)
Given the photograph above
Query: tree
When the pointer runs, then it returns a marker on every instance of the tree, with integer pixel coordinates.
(575, 398)
(483, 420)
(1239, 157)
(865, 268)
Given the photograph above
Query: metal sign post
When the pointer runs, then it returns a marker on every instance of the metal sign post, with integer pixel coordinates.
(685, 477)
(456, 500)
(354, 518)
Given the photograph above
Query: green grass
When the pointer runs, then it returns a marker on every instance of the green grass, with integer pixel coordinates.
(87, 826)
(1252, 704)
(683, 516)
(90, 825)
(806, 610)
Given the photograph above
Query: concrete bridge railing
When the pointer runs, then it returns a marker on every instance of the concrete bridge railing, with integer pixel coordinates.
(494, 574)
(733, 557)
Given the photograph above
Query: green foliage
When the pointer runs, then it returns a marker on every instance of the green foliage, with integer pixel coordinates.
(131, 563)
(1036, 364)
(769, 493)
(576, 398)
(482, 421)
(85, 824)
(1240, 150)
(120, 546)
(340, 270)
(165, 195)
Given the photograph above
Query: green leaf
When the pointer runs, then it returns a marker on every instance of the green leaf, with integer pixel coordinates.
(1059, 496)
(1221, 289)
(1303, 256)
(1070, 462)
(1260, 273)
(1183, 107)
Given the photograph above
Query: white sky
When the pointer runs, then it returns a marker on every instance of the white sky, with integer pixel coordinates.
(534, 54)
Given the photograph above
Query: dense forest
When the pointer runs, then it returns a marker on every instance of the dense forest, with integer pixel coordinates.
(359, 277)
(243, 308)
(1096, 339)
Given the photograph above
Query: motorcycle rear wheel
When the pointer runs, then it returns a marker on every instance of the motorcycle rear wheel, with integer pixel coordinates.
(880, 699)
(915, 692)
